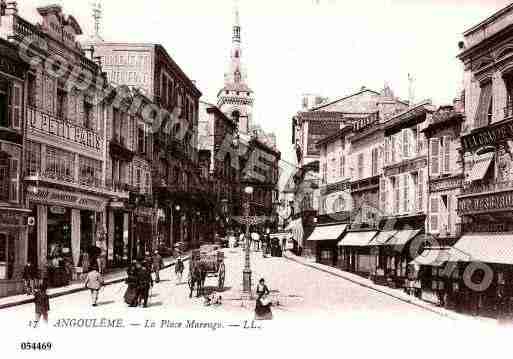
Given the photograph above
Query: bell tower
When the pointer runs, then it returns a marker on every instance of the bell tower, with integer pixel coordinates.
(235, 99)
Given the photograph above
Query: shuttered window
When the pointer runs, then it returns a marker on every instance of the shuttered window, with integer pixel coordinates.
(397, 194)
(375, 153)
(406, 193)
(420, 191)
(434, 214)
(384, 195)
(14, 180)
(15, 103)
(360, 165)
(406, 143)
(393, 148)
(484, 106)
(342, 166)
(447, 155)
(434, 156)
(387, 151)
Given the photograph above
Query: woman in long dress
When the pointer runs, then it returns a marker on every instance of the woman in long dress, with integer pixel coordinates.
(263, 305)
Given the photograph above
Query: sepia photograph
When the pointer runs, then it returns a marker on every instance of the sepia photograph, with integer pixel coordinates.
(256, 178)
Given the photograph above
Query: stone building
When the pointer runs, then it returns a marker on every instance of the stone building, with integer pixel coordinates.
(65, 144)
(13, 212)
(177, 186)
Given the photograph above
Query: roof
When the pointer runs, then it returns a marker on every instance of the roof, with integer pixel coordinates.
(404, 116)
(335, 136)
(489, 20)
(363, 90)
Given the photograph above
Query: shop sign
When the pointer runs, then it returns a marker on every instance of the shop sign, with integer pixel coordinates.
(406, 166)
(57, 210)
(488, 136)
(445, 184)
(491, 202)
(65, 199)
(42, 122)
(11, 219)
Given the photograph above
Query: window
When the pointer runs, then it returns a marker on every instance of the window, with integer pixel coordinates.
(360, 165)
(59, 164)
(4, 104)
(420, 191)
(446, 154)
(138, 183)
(147, 189)
(14, 179)
(141, 140)
(342, 166)
(406, 143)
(90, 171)
(88, 115)
(387, 151)
(375, 161)
(392, 145)
(433, 218)
(435, 157)
(61, 103)
(32, 88)
(33, 160)
(324, 173)
(4, 176)
(164, 94)
(397, 194)
(406, 193)
(485, 106)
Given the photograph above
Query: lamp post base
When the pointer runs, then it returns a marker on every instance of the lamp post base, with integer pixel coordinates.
(246, 281)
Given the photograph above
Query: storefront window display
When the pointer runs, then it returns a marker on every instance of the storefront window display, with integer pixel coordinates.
(60, 261)
(6, 255)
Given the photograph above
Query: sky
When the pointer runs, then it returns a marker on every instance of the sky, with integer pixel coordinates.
(291, 47)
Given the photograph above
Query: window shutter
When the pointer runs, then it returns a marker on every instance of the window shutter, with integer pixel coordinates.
(342, 165)
(447, 154)
(387, 150)
(406, 199)
(383, 195)
(15, 103)
(485, 99)
(412, 143)
(419, 139)
(420, 189)
(435, 156)
(397, 194)
(406, 143)
(15, 181)
(393, 149)
(434, 214)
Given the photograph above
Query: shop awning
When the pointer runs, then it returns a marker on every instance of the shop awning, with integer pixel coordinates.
(481, 167)
(401, 238)
(435, 257)
(486, 248)
(327, 232)
(357, 239)
(382, 238)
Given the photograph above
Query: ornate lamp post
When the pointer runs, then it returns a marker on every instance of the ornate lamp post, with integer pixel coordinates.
(248, 220)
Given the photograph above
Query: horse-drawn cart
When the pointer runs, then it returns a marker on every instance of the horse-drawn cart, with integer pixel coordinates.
(208, 261)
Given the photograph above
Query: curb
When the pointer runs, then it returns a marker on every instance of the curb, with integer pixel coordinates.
(414, 303)
(76, 290)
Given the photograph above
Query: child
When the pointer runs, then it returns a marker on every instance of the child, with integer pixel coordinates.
(42, 303)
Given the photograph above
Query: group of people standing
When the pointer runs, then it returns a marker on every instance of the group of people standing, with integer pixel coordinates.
(140, 280)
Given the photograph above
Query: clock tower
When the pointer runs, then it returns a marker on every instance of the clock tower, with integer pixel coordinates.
(235, 99)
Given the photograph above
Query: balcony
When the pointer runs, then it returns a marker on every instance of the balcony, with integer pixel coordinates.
(119, 149)
(336, 187)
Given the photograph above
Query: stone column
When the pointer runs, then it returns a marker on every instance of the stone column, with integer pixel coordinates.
(42, 229)
(110, 236)
(126, 224)
(75, 235)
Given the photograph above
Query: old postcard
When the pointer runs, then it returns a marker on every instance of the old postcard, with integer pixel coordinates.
(256, 178)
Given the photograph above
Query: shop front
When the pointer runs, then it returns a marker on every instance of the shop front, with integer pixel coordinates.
(145, 239)
(66, 224)
(355, 252)
(379, 261)
(13, 249)
(325, 240)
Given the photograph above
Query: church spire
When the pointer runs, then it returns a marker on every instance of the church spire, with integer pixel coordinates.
(236, 24)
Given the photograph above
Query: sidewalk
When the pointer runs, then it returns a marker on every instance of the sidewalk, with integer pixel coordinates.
(116, 276)
(367, 283)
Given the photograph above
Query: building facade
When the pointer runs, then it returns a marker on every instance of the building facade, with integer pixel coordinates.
(13, 212)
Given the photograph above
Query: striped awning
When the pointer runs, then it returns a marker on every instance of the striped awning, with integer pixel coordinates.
(481, 167)
(357, 239)
(327, 232)
(401, 238)
(382, 238)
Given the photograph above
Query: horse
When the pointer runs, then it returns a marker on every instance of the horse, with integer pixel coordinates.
(197, 276)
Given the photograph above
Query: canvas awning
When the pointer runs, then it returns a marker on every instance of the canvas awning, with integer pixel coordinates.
(357, 239)
(327, 232)
(382, 238)
(486, 248)
(435, 257)
(401, 238)
(481, 167)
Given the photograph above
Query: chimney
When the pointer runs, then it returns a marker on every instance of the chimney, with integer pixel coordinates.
(12, 8)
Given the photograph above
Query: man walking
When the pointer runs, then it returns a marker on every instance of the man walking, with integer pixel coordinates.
(157, 264)
(144, 281)
(94, 282)
(179, 270)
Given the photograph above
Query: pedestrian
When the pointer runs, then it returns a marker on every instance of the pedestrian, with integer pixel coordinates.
(157, 264)
(144, 283)
(179, 270)
(42, 303)
(94, 282)
(263, 303)
(132, 293)
(29, 278)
